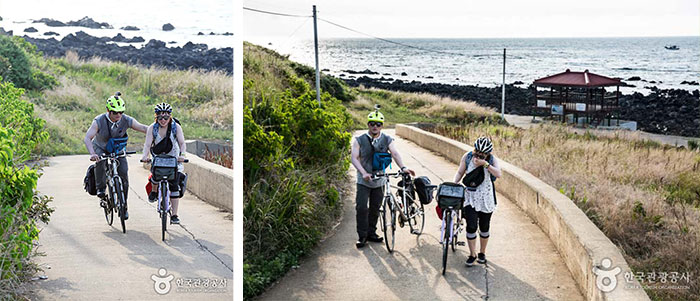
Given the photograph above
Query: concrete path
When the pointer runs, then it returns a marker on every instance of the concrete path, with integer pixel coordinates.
(523, 263)
(88, 260)
(525, 122)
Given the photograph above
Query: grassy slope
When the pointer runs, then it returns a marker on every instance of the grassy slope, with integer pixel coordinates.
(202, 101)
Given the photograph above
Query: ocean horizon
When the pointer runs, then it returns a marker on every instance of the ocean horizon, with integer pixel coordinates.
(479, 61)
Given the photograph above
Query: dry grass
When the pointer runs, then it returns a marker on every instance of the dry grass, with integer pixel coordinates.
(623, 185)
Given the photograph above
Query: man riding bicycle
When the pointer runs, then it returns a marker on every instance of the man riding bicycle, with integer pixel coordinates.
(165, 137)
(364, 149)
(106, 135)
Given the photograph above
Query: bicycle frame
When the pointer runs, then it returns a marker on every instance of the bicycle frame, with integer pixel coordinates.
(387, 192)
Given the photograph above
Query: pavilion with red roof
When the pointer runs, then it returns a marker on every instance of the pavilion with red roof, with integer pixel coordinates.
(581, 94)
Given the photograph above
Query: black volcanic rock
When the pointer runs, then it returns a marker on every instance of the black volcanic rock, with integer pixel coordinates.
(404, 74)
(118, 38)
(634, 78)
(366, 71)
(50, 33)
(227, 33)
(130, 28)
(30, 29)
(196, 56)
(692, 83)
(50, 22)
(200, 33)
(89, 23)
(671, 112)
(168, 27)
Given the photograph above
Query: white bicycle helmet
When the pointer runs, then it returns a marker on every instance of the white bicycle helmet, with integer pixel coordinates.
(483, 145)
(163, 107)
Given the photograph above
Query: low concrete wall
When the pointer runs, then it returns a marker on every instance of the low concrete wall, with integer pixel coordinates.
(210, 182)
(198, 147)
(581, 244)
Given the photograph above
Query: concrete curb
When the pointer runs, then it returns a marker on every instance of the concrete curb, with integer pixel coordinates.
(581, 244)
(209, 181)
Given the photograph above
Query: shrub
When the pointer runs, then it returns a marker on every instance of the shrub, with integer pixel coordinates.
(18, 115)
(16, 57)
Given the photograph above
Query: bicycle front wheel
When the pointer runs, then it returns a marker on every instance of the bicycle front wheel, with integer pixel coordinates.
(109, 214)
(163, 210)
(389, 220)
(447, 237)
(416, 217)
(120, 203)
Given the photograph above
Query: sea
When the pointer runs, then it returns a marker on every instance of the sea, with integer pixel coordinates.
(188, 17)
(480, 61)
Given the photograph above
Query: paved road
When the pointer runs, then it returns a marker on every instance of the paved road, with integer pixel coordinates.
(523, 263)
(90, 260)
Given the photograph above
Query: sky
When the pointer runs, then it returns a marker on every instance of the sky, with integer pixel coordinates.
(475, 19)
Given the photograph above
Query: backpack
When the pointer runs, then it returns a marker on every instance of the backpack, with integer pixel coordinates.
(89, 181)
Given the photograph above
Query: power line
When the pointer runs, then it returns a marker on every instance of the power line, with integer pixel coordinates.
(275, 13)
(390, 41)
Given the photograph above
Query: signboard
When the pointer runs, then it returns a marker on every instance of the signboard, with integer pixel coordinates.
(581, 107)
(541, 103)
(557, 110)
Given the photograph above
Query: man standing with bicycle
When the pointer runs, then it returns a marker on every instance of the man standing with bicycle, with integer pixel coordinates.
(107, 134)
(364, 149)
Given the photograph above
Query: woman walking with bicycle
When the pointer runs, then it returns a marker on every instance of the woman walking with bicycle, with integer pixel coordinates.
(482, 169)
(365, 148)
(165, 137)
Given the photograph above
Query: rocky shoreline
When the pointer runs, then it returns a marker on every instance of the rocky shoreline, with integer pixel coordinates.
(675, 111)
(196, 56)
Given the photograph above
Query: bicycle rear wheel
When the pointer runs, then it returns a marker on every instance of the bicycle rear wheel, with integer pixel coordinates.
(389, 220)
(416, 218)
(120, 203)
(163, 210)
(447, 215)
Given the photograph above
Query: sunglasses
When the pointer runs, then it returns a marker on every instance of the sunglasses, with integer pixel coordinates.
(116, 113)
(163, 117)
(377, 124)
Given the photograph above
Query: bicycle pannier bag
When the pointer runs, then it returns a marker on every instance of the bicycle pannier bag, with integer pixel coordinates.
(89, 181)
(164, 168)
(424, 189)
(450, 195)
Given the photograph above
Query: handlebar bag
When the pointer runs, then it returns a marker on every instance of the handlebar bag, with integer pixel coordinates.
(424, 189)
(164, 168)
(450, 195)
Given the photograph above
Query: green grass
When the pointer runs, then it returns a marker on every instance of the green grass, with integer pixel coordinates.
(202, 101)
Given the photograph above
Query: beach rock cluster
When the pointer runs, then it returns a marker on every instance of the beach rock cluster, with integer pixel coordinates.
(155, 52)
(168, 27)
(671, 111)
(84, 22)
(130, 28)
(216, 34)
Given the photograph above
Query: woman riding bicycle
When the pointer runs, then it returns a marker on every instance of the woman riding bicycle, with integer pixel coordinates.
(165, 137)
(480, 201)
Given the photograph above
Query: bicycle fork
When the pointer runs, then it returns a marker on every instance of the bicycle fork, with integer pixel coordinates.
(442, 229)
(162, 198)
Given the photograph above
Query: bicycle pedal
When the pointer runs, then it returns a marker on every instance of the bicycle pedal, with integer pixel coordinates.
(461, 243)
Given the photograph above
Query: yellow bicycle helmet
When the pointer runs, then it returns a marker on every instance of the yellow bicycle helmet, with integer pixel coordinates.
(375, 116)
(116, 103)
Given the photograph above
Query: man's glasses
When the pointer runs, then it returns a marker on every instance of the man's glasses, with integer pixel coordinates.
(116, 113)
(377, 124)
(163, 117)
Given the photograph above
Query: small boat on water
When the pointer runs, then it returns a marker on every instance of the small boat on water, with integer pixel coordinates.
(672, 47)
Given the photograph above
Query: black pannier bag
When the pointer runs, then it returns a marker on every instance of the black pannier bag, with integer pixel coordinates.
(164, 168)
(424, 189)
(450, 195)
(89, 181)
(410, 189)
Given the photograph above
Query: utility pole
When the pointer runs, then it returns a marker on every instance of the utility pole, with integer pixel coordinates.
(318, 75)
(503, 92)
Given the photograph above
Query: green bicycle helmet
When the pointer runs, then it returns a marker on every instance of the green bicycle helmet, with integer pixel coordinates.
(375, 116)
(116, 103)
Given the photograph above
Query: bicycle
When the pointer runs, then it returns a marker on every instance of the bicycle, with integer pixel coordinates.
(409, 209)
(450, 199)
(114, 200)
(164, 170)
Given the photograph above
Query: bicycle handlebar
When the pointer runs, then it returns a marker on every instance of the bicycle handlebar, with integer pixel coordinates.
(393, 174)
